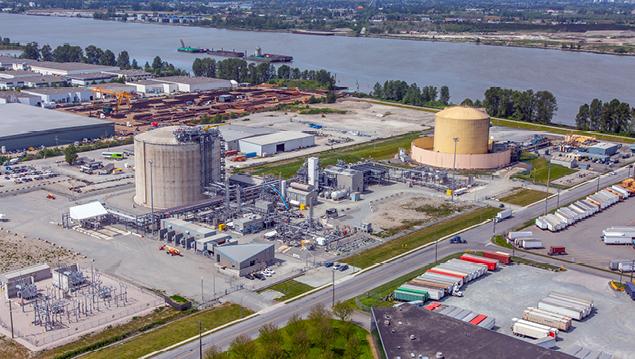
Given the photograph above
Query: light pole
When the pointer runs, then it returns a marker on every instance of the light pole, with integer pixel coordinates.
(152, 195)
(548, 182)
(558, 198)
(333, 300)
(456, 140)
(11, 318)
(599, 175)
(202, 298)
(436, 245)
(200, 339)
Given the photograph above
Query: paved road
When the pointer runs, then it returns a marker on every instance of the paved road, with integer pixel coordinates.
(350, 287)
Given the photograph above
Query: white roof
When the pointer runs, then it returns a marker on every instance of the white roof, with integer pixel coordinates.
(88, 210)
(277, 137)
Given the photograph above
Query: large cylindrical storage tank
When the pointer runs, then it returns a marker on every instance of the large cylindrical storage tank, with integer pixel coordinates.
(469, 125)
(174, 171)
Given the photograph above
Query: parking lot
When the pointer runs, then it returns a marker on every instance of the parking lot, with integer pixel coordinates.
(582, 240)
(506, 293)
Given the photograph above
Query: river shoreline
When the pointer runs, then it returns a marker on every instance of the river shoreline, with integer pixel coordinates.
(449, 38)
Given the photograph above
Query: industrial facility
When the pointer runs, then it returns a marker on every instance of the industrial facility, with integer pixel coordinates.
(25, 126)
(174, 165)
(461, 140)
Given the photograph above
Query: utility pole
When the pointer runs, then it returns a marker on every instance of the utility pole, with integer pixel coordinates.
(548, 180)
(598, 189)
(214, 281)
(200, 340)
(151, 195)
(456, 140)
(436, 244)
(202, 298)
(494, 229)
(558, 198)
(11, 318)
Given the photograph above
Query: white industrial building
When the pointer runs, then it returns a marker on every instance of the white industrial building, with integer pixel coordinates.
(32, 82)
(91, 78)
(52, 95)
(18, 97)
(192, 84)
(16, 74)
(130, 75)
(150, 87)
(273, 143)
(232, 134)
(68, 68)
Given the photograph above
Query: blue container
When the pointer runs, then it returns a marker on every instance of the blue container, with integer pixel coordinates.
(251, 154)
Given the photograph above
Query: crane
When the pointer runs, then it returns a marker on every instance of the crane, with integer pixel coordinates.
(119, 95)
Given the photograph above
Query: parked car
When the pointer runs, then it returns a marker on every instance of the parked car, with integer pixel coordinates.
(259, 276)
(336, 266)
(250, 277)
(328, 264)
(266, 274)
(343, 267)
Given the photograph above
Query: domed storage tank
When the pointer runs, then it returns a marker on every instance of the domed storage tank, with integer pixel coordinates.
(469, 125)
(182, 161)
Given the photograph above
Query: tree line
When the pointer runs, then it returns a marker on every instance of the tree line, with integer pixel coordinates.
(97, 56)
(242, 71)
(529, 106)
(319, 334)
(411, 94)
(611, 117)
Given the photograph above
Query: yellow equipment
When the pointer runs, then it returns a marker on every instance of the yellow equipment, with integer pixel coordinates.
(221, 226)
(119, 95)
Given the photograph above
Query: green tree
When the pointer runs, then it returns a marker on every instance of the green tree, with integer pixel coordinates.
(331, 97)
(545, 107)
(93, 54)
(214, 353)
(343, 311)
(108, 58)
(444, 95)
(31, 51)
(284, 72)
(271, 342)
(123, 60)
(582, 118)
(595, 111)
(467, 102)
(157, 64)
(46, 53)
(242, 348)
(353, 346)
(134, 64)
(68, 53)
(70, 154)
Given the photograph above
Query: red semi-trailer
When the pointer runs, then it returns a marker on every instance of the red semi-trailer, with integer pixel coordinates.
(502, 257)
(491, 264)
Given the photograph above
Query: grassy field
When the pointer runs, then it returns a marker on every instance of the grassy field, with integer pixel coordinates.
(114, 334)
(290, 288)
(420, 237)
(539, 171)
(12, 350)
(381, 149)
(172, 333)
(524, 197)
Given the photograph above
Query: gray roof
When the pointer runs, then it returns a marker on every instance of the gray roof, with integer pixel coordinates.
(70, 66)
(92, 75)
(454, 338)
(191, 80)
(131, 72)
(237, 132)
(277, 137)
(17, 119)
(24, 271)
(8, 60)
(35, 79)
(56, 90)
(146, 82)
(241, 252)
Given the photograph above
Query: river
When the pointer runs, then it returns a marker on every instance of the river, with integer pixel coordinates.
(468, 69)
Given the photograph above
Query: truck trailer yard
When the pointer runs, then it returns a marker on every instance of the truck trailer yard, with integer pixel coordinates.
(607, 329)
(583, 240)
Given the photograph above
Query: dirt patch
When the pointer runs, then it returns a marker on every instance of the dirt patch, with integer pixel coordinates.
(19, 252)
(409, 210)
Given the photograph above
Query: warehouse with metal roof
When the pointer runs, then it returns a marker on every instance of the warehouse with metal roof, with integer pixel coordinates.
(283, 141)
(245, 258)
(23, 126)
